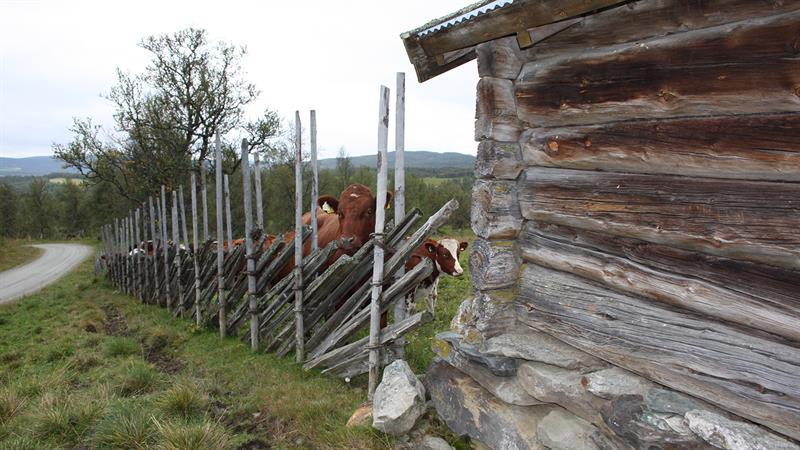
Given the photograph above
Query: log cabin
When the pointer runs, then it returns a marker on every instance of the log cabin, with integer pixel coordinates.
(636, 271)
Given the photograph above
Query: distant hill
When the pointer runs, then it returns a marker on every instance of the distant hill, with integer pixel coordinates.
(414, 160)
(34, 165)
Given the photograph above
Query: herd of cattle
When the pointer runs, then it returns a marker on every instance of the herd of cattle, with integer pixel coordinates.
(350, 220)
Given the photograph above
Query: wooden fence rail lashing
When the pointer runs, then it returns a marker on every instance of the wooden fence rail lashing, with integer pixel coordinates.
(319, 309)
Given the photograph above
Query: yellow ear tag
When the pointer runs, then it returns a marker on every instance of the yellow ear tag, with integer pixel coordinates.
(327, 208)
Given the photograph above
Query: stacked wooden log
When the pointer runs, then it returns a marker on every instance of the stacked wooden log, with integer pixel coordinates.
(637, 265)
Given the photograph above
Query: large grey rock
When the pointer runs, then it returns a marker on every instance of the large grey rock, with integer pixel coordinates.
(561, 430)
(470, 410)
(399, 400)
(631, 411)
(728, 434)
(507, 389)
(429, 442)
(498, 365)
(614, 382)
(536, 346)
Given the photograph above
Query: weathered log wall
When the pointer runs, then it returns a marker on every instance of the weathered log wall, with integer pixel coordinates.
(638, 200)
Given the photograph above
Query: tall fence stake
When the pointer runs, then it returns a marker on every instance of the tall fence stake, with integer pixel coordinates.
(204, 185)
(155, 249)
(176, 260)
(184, 239)
(167, 298)
(257, 188)
(314, 182)
(298, 241)
(400, 311)
(220, 242)
(380, 216)
(197, 290)
(248, 239)
(228, 219)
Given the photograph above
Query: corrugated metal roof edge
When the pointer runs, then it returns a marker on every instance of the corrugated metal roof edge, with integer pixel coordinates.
(442, 21)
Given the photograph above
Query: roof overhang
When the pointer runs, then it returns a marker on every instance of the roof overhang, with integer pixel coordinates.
(450, 41)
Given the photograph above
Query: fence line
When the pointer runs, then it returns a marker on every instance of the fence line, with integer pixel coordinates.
(318, 308)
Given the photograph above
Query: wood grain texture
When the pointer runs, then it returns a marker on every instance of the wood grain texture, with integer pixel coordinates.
(683, 281)
(496, 111)
(752, 377)
(662, 18)
(747, 220)
(495, 210)
(493, 265)
(500, 160)
(505, 21)
(760, 147)
(750, 66)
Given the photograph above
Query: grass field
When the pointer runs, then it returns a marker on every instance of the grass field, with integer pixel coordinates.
(16, 252)
(82, 366)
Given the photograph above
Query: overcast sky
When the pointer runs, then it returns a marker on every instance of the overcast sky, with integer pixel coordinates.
(58, 57)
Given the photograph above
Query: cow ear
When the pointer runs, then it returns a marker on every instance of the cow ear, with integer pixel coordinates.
(462, 246)
(389, 197)
(328, 204)
(430, 248)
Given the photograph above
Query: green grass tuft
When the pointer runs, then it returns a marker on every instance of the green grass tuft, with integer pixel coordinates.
(126, 426)
(139, 378)
(121, 346)
(10, 405)
(64, 419)
(183, 435)
(184, 399)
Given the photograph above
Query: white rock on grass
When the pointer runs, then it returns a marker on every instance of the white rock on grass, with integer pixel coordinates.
(732, 435)
(399, 400)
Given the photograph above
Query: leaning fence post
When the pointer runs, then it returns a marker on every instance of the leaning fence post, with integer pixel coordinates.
(197, 315)
(248, 242)
(298, 241)
(380, 215)
(257, 188)
(167, 298)
(220, 241)
(314, 182)
(399, 198)
(228, 218)
(176, 260)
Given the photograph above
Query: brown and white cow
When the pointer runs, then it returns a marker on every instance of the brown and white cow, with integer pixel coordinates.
(444, 255)
(350, 218)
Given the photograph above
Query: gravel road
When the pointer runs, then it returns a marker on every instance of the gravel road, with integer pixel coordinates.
(57, 260)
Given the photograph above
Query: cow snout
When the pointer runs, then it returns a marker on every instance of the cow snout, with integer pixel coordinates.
(458, 272)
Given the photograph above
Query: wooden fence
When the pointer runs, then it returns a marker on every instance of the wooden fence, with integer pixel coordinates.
(316, 311)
